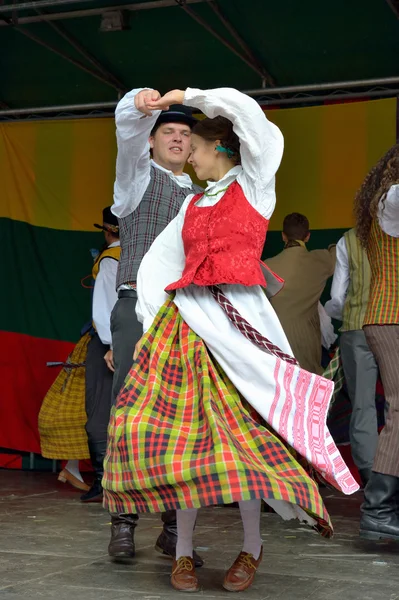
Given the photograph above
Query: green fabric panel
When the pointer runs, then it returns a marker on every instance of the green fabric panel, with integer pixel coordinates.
(41, 271)
(297, 42)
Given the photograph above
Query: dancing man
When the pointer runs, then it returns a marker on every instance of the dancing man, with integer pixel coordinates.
(74, 415)
(349, 298)
(149, 192)
(99, 377)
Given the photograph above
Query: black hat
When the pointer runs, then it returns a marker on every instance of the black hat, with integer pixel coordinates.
(110, 222)
(177, 113)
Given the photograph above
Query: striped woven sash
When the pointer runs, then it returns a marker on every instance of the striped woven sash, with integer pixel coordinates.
(246, 328)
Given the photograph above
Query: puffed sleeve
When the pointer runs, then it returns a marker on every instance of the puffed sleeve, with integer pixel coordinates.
(133, 158)
(388, 212)
(261, 141)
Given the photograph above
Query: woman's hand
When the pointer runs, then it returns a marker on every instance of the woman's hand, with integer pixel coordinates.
(163, 103)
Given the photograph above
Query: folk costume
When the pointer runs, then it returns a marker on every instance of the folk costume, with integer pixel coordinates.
(146, 198)
(186, 430)
(74, 416)
(305, 275)
(349, 298)
(99, 378)
(62, 416)
(380, 518)
(381, 322)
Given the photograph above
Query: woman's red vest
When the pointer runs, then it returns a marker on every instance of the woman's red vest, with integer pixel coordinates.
(223, 243)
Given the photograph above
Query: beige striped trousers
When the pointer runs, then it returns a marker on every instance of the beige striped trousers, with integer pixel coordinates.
(383, 341)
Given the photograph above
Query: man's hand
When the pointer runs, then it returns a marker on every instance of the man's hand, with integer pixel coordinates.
(138, 348)
(109, 359)
(173, 97)
(144, 98)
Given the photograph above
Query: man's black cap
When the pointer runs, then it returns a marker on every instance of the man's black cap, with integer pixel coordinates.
(177, 113)
(110, 222)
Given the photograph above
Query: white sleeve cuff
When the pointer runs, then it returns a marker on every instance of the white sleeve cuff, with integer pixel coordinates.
(147, 323)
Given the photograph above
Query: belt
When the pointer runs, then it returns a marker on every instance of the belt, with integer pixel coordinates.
(127, 294)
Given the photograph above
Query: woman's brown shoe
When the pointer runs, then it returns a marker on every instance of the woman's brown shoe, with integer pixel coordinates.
(66, 476)
(183, 576)
(241, 574)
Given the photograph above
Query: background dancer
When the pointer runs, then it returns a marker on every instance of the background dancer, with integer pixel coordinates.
(349, 298)
(377, 224)
(305, 276)
(99, 376)
(74, 414)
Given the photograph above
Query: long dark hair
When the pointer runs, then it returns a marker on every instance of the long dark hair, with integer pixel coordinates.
(374, 188)
(221, 129)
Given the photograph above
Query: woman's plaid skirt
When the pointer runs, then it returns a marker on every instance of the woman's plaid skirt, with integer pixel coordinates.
(62, 417)
(180, 435)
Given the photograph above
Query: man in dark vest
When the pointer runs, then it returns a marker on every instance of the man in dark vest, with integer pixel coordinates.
(98, 377)
(149, 191)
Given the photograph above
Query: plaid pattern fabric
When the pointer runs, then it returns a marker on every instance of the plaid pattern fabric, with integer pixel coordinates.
(383, 254)
(62, 417)
(160, 204)
(335, 372)
(246, 328)
(180, 436)
(307, 401)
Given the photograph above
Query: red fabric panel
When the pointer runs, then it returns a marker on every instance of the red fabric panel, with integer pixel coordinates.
(10, 461)
(25, 380)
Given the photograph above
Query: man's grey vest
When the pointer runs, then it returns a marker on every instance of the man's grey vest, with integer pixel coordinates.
(160, 204)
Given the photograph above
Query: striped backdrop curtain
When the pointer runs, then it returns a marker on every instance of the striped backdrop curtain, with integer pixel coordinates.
(57, 176)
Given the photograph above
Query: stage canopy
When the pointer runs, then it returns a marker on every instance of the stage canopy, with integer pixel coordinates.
(63, 52)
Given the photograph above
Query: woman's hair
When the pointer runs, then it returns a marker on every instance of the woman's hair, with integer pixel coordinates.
(374, 188)
(221, 129)
(295, 227)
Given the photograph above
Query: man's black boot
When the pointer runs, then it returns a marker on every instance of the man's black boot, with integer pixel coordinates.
(122, 545)
(379, 518)
(97, 454)
(365, 475)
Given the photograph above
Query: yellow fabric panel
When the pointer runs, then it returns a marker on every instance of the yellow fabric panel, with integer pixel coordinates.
(57, 174)
(17, 171)
(92, 171)
(328, 151)
(299, 177)
(60, 174)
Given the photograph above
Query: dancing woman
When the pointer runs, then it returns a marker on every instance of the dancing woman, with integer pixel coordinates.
(187, 428)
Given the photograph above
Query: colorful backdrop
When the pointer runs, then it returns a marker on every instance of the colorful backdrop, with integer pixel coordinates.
(55, 178)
